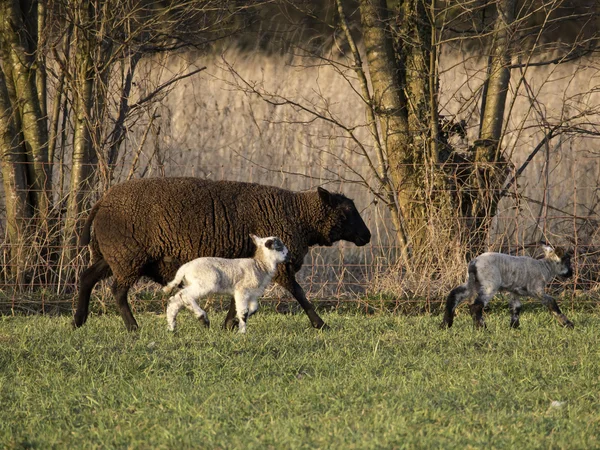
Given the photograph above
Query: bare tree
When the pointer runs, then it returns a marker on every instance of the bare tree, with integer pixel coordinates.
(394, 50)
(67, 94)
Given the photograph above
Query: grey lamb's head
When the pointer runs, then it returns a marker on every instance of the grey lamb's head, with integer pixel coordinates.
(343, 220)
(561, 260)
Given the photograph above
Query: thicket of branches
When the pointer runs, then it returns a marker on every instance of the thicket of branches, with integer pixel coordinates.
(441, 163)
(439, 191)
(67, 99)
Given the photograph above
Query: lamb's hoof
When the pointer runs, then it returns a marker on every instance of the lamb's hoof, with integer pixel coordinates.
(515, 324)
(204, 320)
(568, 324)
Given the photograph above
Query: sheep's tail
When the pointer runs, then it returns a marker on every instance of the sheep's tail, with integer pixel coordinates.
(173, 284)
(84, 237)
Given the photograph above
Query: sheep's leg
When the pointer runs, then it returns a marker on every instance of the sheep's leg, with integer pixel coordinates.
(477, 308)
(456, 297)
(555, 310)
(90, 276)
(515, 311)
(120, 291)
(241, 306)
(231, 320)
(288, 281)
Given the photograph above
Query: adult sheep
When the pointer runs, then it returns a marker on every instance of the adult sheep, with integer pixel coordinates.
(150, 227)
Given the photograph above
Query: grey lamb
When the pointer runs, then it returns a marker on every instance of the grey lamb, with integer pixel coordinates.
(519, 275)
(244, 278)
(149, 227)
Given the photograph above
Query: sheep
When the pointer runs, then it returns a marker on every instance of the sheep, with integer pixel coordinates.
(244, 278)
(519, 275)
(149, 227)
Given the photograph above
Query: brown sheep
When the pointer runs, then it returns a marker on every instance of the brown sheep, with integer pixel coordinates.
(150, 227)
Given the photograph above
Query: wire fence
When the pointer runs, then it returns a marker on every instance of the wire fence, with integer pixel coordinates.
(39, 271)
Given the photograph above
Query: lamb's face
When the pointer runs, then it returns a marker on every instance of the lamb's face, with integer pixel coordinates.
(279, 251)
(561, 260)
(565, 269)
(273, 248)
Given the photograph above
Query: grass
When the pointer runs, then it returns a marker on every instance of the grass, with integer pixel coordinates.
(378, 381)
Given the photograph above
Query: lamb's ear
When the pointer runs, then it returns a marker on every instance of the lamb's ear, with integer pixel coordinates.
(559, 252)
(325, 196)
(548, 251)
(254, 238)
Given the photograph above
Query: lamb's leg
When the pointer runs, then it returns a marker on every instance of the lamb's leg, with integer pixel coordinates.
(176, 302)
(241, 305)
(90, 276)
(120, 290)
(515, 311)
(189, 296)
(555, 310)
(253, 306)
(456, 297)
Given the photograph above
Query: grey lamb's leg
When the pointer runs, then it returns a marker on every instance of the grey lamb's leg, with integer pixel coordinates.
(555, 310)
(515, 311)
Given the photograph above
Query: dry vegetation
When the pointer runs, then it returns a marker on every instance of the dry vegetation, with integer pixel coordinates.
(210, 125)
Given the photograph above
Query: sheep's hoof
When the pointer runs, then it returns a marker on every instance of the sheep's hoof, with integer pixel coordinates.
(321, 326)
(445, 324)
(204, 320)
(568, 324)
(514, 323)
(131, 326)
(230, 325)
(480, 325)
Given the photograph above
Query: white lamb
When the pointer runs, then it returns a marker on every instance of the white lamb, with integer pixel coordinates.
(244, 278)
(490, 273)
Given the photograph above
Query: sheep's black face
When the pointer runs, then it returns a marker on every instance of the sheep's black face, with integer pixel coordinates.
(347, 223)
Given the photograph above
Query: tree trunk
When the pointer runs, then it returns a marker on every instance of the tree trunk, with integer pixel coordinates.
(389, 106)
(33, 122)
(14, 179)
(489, 169)
(83, 160)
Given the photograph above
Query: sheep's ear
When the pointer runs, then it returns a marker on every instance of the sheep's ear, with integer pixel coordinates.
(254, 238)
(559, 252)
(325, 195)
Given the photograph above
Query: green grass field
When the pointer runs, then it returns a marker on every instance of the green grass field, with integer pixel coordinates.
(378, 381)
